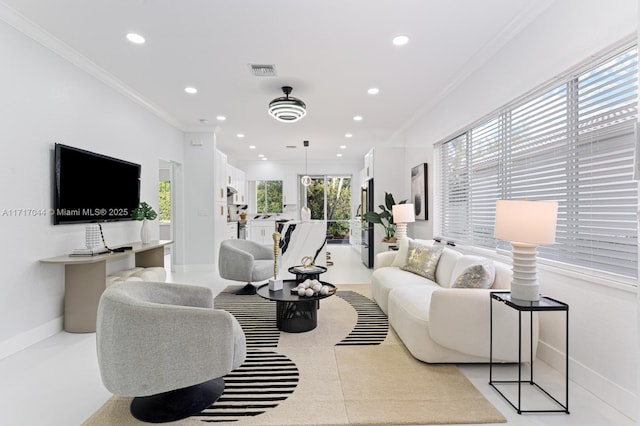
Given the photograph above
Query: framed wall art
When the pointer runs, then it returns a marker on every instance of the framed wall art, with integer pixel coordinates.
(419, 191)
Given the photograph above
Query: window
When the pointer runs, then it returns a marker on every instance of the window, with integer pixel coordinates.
(268, 196)
(573, 143)
(164, 200)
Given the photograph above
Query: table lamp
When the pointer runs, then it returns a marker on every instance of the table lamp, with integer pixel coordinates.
(402, 214)
(526, 224)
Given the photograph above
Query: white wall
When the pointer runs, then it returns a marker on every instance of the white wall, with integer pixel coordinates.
(604, 329)
(45, 99)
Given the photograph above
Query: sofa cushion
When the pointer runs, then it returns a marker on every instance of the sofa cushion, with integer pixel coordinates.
(447, 262)
(384, 280)
(403, 250)
(423, 260)
(472, 272)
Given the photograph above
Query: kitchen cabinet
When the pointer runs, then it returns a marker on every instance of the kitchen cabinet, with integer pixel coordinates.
(236, 179)
(261, 231)
(290, 189)
(220, 177)
(232, 230)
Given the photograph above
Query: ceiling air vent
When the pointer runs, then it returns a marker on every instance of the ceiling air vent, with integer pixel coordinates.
(291, 146)
(261, 70)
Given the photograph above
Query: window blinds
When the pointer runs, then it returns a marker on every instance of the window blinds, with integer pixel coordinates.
(574, 144)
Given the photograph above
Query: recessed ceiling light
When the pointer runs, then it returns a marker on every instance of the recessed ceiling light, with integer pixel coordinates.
(338, 155)
(135, 38)
(252, 147)
(260, 155)
(221, 118)
(264, 159)
(348, 135)
(240, 135)
(191, 90)
(400, 40)
(343, 147)
(373, 91)
(357, 118)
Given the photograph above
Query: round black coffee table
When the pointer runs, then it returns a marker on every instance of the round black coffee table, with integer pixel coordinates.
(294, 314)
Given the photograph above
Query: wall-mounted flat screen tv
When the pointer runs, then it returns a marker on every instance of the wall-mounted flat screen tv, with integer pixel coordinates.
(90, 187)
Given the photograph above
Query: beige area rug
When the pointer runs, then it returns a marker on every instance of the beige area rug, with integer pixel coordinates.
(351, 385)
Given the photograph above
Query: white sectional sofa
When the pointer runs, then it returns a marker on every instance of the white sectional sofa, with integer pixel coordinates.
(440, 323)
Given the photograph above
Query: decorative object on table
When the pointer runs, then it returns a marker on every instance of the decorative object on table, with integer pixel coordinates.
(419, 197)
(526, 224)
(287, 109)
(275, 284)
(403, 214)
(92, 237)
(311, 287)
(385, 217)
(144, 212)
(307, 267)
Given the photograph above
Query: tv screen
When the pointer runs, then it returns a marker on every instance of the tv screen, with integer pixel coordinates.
(90, 187)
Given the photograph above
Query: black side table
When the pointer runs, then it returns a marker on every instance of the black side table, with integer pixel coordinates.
(544, 304)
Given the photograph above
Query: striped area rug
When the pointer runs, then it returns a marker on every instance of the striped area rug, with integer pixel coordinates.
(256, 316)
(265, 379)
(372, 325)
(329, 376)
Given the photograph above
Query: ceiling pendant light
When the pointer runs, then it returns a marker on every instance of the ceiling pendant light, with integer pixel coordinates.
(287, 109)
(306, 180)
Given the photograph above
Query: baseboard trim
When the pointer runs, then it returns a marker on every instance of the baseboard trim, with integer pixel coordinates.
(23, 340)
(613, 394)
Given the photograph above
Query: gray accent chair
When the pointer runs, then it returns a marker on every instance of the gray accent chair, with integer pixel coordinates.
(165, 345)
(247, 261)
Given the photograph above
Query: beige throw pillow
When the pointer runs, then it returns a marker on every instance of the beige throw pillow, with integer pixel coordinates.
(423, 260)
(480, 275)
(403, 250)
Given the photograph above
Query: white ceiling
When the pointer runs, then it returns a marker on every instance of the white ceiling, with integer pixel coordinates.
(330, 51)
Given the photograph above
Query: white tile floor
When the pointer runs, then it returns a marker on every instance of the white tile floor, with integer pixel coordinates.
(56, 382)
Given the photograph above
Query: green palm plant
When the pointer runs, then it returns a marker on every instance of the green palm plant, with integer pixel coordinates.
(385, 217)
(144, 211)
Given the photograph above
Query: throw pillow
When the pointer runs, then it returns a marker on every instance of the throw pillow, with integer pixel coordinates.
(423, 260)
(480, 275)
(403, 250)
(401, 255)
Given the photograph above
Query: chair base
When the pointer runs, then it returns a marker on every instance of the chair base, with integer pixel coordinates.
(177, 404)
(246, 290)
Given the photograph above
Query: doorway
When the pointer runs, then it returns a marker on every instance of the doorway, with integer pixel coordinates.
(329, 199)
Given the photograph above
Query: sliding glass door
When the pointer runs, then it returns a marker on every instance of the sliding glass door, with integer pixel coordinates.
(329, 199)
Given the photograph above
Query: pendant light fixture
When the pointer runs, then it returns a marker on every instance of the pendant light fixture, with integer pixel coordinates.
(287, 109)
(306, 180)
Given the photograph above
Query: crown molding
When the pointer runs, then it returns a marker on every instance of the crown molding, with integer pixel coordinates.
(57, 46)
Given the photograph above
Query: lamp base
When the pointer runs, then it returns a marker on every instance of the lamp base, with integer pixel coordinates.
(524, 284)
(401, 230)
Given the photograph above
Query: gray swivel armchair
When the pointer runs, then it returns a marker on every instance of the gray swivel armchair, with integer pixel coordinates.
(165, 345)
(247, 261)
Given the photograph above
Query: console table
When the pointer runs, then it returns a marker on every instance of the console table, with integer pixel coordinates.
(85, 278)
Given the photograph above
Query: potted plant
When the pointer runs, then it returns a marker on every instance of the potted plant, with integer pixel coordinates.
(385, 218)
(144, 212)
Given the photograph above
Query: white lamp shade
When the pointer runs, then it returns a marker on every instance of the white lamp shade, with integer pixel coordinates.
(529, 222)
(403, 213)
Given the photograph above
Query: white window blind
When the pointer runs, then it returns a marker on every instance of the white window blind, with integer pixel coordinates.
(573, 143)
